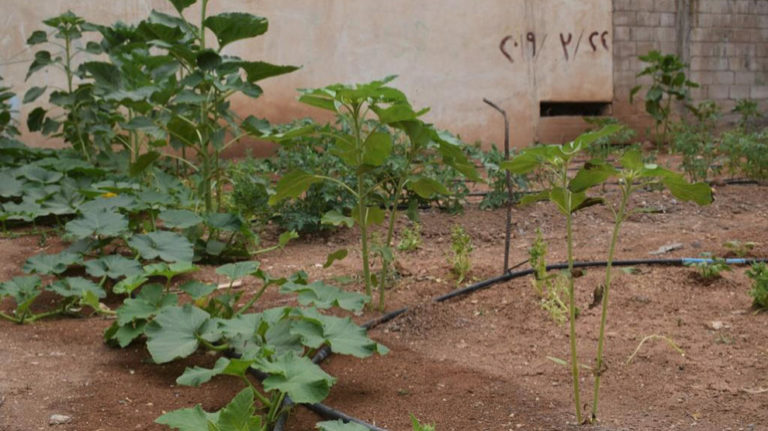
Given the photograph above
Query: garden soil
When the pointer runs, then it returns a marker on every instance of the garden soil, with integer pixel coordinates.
(480, 362)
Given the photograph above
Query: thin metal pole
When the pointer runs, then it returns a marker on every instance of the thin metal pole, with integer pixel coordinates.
(510, 198)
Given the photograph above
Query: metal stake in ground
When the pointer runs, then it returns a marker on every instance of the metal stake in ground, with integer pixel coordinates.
(510, 198)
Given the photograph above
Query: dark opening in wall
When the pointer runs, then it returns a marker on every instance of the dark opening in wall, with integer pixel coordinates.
(574, 109)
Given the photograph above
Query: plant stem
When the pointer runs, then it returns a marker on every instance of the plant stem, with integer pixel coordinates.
(362, 218)
(36, 317)
(572, 314)
(9, 317)
(388, 243)
(626, 190)
(251, 301)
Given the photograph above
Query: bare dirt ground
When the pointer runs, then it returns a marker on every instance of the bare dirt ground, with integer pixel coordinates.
(475, 363)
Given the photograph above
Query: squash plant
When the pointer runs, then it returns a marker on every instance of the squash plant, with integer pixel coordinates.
(570, 195)
(370, 112)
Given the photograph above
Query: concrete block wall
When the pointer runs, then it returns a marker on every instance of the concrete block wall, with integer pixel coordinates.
(725, 43)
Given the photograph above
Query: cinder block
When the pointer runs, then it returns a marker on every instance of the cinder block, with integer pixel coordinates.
(621, 33)
(642, 34)
(759, 92)
(724, 77)
(699, 93)
(718, 92)
(624, 18)
(737, 92)
(624, 49)
(666, 34)
(713, 6)
(667, 19)
(646, 47)
(664, 6)
(621, 5)
(648, 19)
(642, 5)
(744, 78)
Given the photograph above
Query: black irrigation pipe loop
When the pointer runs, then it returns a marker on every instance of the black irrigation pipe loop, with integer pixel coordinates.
(325, 351)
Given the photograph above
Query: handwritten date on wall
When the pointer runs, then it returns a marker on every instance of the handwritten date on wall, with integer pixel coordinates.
(528, 45)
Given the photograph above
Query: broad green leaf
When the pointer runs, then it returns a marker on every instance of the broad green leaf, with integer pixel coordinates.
(376, 148)
(335, 218)
(700, 193)
(23, 290)
(129, 283)
(323, 296)
(37, 37)
(143, 162)
(523, 163)
(174, 331)
(105, 75)
(339, 425)
(279, 336)
(233, 26)
(168, 246)
(427, 187)
(585, 139)
(632, 159)
(76, 287)
(180, 219)
(40, 175)
(238, 415)
(113, 266)
(180, 5)
(224, 221)
(292, 185)
(344, 336)
(197, 289)
(10, 186)
(299, 377)
(98, 223)
(590, 175)
(374, 215)
(238, 270)
(32, 94)
(196, 376)
(397, 112)
(124, 335)
(336, 255)
(50, 264)
(150, 300)
(169, 270)
(318, 102)
(189, 419)
(258, 70)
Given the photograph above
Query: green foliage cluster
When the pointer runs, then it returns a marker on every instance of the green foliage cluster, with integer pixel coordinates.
(461, 248)
(569, 194)
(607, 146)
(759, 291)
(552, 289)
(709, 268)
(668, 83)
(8, 127)
(410, 238)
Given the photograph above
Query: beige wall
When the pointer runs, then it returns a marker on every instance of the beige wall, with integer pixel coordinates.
(449, 53)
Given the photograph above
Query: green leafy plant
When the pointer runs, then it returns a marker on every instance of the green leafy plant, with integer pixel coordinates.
(745, 153)
(364, 145)
(410, 238)
(569, 196)
(759, 291)
(238, 415)
(668, 83)
(740, 248)
(709, 268)
(748, 112)
(608, 145)
(550, 288)
(461, 248)
(418, 426)
(498, 195)
(8, 127)
(698, 143)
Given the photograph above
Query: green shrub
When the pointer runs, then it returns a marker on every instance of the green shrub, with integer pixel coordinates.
(759, 291)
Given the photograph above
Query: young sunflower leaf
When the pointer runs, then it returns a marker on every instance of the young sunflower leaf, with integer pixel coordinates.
(335, 218)
(292, 185)
(333, 257)
(234, 26)
(297, 376)
(168, 246)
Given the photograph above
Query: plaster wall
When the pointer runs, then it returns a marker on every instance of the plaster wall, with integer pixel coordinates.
(449, 54)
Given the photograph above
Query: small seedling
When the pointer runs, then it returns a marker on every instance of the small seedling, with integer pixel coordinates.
(739, 248)
(709, 269)
(759, 292)
(551, 288)
(461, 245)
(411, 239)
(418, 426)
(668, 340)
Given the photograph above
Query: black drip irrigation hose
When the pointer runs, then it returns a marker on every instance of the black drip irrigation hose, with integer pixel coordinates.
(325, 351)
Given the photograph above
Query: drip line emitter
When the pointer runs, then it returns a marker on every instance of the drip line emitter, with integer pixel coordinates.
(507, 274)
